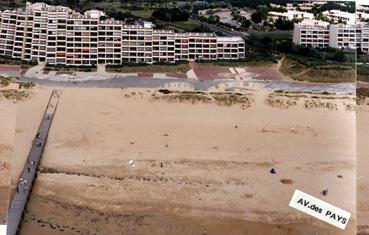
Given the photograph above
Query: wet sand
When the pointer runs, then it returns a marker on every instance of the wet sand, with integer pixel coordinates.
(199, 168)
(362, 169)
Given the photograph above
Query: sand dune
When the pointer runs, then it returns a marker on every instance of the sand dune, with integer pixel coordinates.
(201, 166)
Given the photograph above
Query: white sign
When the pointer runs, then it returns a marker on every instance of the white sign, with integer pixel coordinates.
(320, 209)
(2, 229)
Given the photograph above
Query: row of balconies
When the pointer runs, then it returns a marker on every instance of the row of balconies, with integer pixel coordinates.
(346, 35)
(149, 33)
(346, 40)
(315, 41)
(9, 26)
(118, 44)
(11, 22)
(315, 36)
(314, 31)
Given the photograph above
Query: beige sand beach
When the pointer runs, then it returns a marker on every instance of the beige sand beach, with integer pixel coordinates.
(362, 169)
(7, 128)
(199, 167)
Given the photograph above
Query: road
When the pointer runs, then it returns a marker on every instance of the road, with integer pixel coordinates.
(245, 35)
(226, 32)
(214, 28)
(29, 172)
(202, 85)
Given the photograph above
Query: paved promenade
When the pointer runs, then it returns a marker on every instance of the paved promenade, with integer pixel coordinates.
(28, 175)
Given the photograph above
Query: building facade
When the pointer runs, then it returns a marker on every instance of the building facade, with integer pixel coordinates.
(362, 39)
(311, 33)
(340, 17)
(341, 36)
(289, 15)
(59, 35)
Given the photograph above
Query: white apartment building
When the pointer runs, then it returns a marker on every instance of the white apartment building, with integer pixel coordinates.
(59, 35)
(305, 6)
(362, 39)
(343, 36)
(289, 15)
(311, 33)
(338, 16)
(362, 12)
(322, 34)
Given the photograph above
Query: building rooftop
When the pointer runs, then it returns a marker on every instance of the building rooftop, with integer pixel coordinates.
(310, 22)
(94, 14)
(229, 39)
(195, 34)
(340, 14)
(40, 6)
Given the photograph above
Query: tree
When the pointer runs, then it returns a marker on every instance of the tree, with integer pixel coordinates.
(173, 14)
(72, 3)
(213, 19)
(256, 17)
(266, 41)
(260, 14)
(185, 6)
(249, 3)
(199, 5)
(202, 29)
(245, 23)
(339, 56)
(285, 46)
(283, 24)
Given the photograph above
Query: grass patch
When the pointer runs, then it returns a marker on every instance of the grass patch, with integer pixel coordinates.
(14, 95)
(252, 61)
(361, 95)
(144, 13)
(333, 73)
(11, 6)
(194, 97)
(279, 35)
(165, 91)
(280, 101)
(149, 68)
(362, 92)
(69, 68)
(229, 99)
(4, 82)
(14, 61)
(363, 73)
(26, 85)
(286, 181)
(313, 103)
(188, 25)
